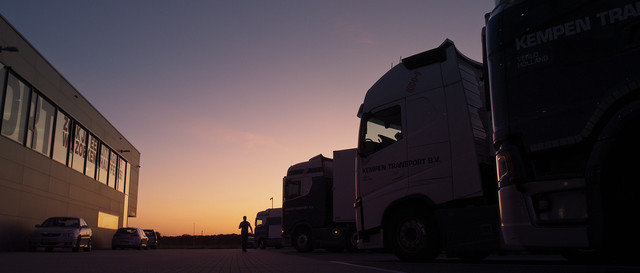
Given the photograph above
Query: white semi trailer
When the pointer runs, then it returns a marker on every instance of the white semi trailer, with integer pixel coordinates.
(426, 177)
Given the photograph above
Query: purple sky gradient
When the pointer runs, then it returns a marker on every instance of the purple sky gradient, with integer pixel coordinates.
(221, 97)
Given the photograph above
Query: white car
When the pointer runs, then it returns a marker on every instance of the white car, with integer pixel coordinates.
(61, 232)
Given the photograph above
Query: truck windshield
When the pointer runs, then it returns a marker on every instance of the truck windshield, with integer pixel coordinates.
(291, 189)
(380, 130)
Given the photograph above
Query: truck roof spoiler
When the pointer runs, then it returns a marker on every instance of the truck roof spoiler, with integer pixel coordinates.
(436, 55)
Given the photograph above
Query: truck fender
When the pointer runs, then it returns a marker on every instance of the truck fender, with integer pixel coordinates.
(614, 145)
(410, 202)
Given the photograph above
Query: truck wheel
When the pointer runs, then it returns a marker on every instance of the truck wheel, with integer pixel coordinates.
(352, 241)
(302, 241)
(415, 238)
(262, 244)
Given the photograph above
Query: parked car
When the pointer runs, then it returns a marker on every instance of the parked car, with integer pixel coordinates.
(129, 237)
(153, 238)
(61, 232)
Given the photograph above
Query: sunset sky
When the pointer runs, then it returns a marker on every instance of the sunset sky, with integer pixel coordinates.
(221, 97)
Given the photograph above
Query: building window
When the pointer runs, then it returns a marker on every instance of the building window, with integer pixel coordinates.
(40, 130)
(61, 138)
(92, 154)
(103, 164)
(79, 149)
(3, 77)
(127, 178)
(121, 171)
(16, 102)
(113, 166)
(108, 221)
(29, 118)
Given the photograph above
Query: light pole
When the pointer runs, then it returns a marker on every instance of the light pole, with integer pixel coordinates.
(271, 202)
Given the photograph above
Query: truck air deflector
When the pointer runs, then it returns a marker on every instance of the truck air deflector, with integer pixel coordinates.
(436, 55)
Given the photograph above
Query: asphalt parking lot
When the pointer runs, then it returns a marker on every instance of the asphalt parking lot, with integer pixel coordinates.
(166, 260)
(276, 260)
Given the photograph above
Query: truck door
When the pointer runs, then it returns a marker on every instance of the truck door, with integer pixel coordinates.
(383, 155)
(427, 135)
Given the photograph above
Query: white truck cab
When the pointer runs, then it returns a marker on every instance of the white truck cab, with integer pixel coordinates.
(425, 178)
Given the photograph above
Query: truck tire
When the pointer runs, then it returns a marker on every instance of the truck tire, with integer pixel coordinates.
(302, 241)
(414, 238)
(352, 241)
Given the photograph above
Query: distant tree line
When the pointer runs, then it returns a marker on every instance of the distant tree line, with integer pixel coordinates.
(206, 241)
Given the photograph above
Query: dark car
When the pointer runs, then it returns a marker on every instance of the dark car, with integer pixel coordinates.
(129, 237)
(61, 232)
(153, 238)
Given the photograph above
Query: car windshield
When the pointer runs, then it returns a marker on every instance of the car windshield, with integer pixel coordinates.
(61, 222)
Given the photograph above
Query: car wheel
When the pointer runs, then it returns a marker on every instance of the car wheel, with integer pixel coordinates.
(76, 248)
(88, 247)
(262, 244)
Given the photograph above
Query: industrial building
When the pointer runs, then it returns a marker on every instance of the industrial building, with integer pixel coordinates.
(58, 155)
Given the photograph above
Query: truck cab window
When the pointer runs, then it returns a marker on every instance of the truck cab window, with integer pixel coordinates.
(380, 129)
(291, 189)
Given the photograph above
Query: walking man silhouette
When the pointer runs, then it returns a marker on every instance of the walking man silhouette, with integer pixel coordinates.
(244, 232)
